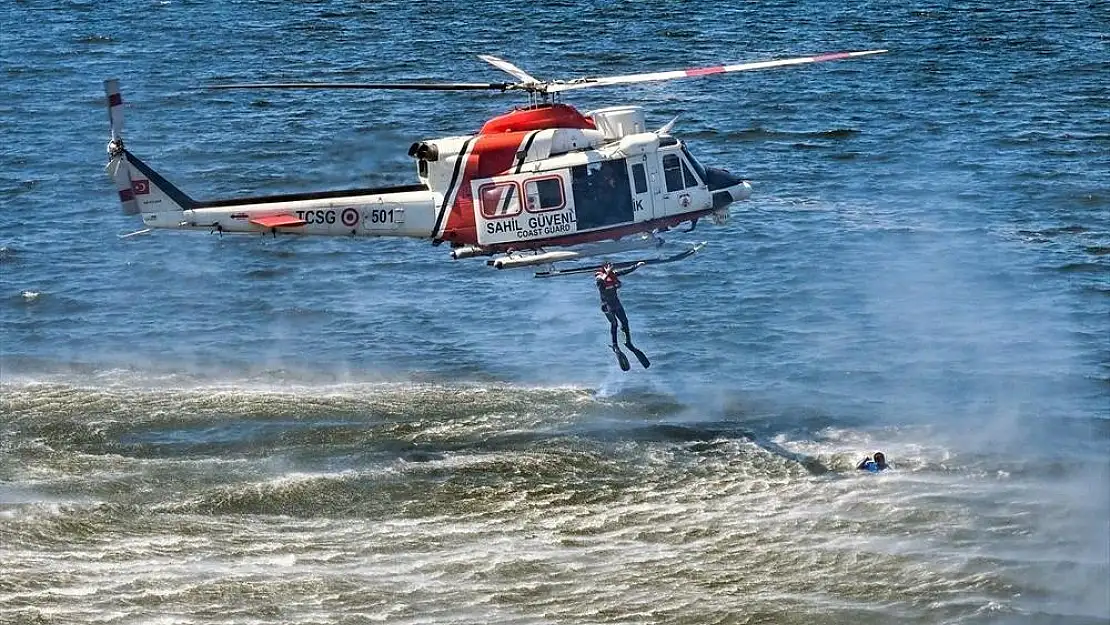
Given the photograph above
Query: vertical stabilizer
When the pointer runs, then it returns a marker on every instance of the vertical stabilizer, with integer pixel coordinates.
(141, 189)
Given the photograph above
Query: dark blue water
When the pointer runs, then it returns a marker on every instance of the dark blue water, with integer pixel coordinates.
(328, 430)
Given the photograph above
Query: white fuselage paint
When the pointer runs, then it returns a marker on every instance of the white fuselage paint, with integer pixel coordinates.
(526, 215)
(522, 220)
(404, 214)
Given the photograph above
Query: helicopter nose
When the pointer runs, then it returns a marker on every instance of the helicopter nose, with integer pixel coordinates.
(726, 187)
(719, 179)
(741, 191)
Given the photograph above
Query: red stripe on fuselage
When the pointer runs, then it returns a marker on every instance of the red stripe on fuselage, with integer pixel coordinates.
(492, 155)
(115, 99)
(705, 71)
(126, 195)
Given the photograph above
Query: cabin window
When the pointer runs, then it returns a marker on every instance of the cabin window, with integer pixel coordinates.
(672, 173)
(639, 178)
(499, 200)
(544, 194)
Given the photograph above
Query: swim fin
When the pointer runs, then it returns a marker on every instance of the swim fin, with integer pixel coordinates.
(641, 356)
(622, 360)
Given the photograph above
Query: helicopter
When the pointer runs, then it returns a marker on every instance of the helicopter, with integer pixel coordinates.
(538, 185)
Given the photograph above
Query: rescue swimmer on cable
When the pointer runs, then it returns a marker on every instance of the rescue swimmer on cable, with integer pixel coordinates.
(608, 281)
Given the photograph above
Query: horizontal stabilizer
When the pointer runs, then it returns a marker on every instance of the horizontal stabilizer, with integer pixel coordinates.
(278, 221)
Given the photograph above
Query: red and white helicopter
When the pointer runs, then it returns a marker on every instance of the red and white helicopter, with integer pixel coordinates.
(535, 186)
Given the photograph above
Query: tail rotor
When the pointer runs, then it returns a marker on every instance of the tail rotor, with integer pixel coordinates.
(115, 110)
(118, 167)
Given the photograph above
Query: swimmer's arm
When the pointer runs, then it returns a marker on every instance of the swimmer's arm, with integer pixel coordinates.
(626, 271)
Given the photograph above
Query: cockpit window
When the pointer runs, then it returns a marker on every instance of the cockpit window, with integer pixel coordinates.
(677, 174)
(691, 181)
(694, 163)
(672, 173)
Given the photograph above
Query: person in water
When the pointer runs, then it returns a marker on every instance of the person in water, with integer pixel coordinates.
(873, 463)
(608, 281)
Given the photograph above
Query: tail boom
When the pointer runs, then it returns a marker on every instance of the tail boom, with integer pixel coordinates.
(403, 211)
(397, 213)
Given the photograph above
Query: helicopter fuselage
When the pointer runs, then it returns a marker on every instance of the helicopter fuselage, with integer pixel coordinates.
(532, 178)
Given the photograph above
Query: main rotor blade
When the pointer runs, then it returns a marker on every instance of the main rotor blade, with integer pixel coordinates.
(582, 83)
(509, 68)
(445, 86)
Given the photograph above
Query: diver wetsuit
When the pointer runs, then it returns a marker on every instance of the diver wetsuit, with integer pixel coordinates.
(607, 285)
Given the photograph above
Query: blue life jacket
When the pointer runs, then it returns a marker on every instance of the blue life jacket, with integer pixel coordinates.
(869, 464)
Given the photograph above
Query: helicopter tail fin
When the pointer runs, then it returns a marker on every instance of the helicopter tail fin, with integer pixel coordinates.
(141, 189)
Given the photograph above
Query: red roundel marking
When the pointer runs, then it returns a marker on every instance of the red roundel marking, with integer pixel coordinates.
(349, 217)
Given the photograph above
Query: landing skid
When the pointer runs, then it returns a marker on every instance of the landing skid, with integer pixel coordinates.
(570, 271)
(577, 252)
